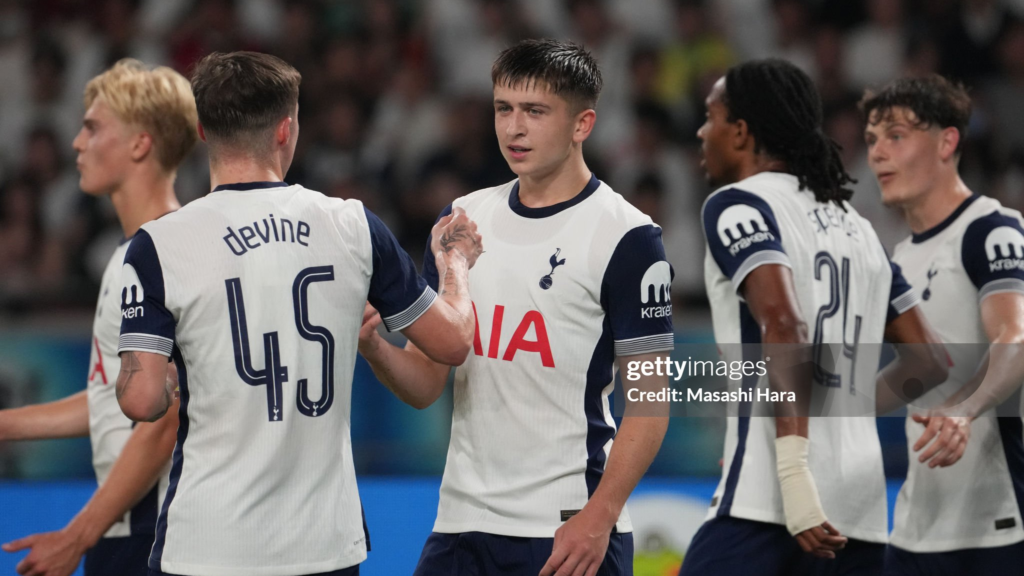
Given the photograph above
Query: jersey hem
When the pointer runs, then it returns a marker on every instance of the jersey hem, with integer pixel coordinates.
(877, 537)
(621, 527)
(951, 546)
(293, 570)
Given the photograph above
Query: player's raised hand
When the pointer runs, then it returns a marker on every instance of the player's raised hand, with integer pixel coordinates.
(369, 339)
(52, 553)
(456, 232)
(950, 435)
(821, 541)
(580, 546)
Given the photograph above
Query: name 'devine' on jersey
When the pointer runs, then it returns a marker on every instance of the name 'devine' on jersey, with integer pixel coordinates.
(252, 237)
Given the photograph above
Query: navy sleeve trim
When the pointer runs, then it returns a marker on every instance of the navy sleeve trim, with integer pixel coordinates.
(645, 344)
(636, 293)
(146, 323)
(1001, 285)
(406, 317)
(992, 253)
(145, 343)
(396, 290)
(905, 301)
(757, 260)
(742, 233)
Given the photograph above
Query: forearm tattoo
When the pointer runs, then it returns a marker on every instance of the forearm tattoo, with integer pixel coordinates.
(130, 366)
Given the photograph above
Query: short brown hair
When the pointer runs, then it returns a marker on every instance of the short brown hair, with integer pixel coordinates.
(934, 100)
(568, 70)
(240, 95)
(156, 100)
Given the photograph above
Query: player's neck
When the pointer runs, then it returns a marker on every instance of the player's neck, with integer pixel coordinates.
(932, 208)
(564, 183)
(238, 169)
(145, 196)
(756, 164)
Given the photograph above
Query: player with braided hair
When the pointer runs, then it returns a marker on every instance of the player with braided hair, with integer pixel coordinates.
(784, 245)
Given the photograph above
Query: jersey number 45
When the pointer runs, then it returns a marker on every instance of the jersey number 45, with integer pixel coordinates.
(273, 374)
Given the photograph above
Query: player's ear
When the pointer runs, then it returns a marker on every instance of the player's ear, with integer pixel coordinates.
(202, 133)
(949, 138)
(584, 125)
(142, 145)
(283, 132)
(740, 134)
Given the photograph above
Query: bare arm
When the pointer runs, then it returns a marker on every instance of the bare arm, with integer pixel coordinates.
(445, 331)
(771, 297)
(582, 542)
(443, 335)
(64, 418)
(142, 388)
(920, 362)
(1002, 314)
(636, 444)
(408, 373)
(135, 472)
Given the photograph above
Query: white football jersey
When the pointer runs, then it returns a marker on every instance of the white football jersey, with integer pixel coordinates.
(558, 294)
(847, 291)
(978, 250)
(257, 293)
(109, 428)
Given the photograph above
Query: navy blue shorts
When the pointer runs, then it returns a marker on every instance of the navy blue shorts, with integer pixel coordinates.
(973, 561)
(127, 555)
(351, 571)
(479, 554)
(726, 546)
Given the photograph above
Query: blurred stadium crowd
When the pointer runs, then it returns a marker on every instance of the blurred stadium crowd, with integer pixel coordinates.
(395, 105)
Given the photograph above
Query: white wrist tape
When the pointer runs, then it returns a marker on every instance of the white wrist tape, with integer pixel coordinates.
(800, 499)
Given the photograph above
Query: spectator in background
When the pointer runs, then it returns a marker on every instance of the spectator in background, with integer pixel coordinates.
(970, 39)
(21, 234)
(699, 52)
(794, 41)
(874, 51)
(1005, 95)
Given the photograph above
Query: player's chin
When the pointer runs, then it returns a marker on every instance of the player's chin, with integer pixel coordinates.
(91, 187)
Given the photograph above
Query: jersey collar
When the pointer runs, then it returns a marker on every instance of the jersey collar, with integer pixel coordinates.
(544, 212)
(251, 186)
(935, 230)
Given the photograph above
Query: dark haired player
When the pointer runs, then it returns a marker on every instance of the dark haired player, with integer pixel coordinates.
(574, 278)
(256, 292)
(791, 263)
(966, 256)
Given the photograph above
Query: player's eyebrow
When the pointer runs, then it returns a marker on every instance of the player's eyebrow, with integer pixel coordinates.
(534, 105)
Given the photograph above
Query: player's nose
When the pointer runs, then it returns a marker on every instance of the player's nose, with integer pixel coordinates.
(516, 125)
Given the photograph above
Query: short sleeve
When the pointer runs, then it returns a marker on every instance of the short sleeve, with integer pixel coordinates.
(398, 293)
(993, 254)
(146, 323)
(742, 234)
(636, 294)
(429, 266)
(902, 296)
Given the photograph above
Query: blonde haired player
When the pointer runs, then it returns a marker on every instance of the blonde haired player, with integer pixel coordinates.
(139, 124)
